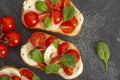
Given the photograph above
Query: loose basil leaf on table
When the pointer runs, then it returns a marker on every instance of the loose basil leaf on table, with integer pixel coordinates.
(5, 78)
(51, 68)
(36, 55)
(68, 60)
(103, 52)
(35, 77)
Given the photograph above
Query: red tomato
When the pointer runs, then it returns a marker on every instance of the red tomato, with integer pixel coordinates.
(57, 16)
(14, 77)
(68, 70)
(50, 40)
(43, 16)
(27, 73)
(38, 39)
(14, 37)
(3, 50)
(74, 52)
(54, 6)
(8, 23)
(67, 29)
(64, 3)
(42, 65)
(62, 48)
(55, 59)
(31, 19)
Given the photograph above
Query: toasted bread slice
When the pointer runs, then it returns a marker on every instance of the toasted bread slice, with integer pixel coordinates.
(29, 5)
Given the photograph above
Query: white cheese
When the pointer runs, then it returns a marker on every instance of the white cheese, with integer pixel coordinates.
(25, 54)
(10, 72)
(50, 52)
(24, 78)
(76, 71)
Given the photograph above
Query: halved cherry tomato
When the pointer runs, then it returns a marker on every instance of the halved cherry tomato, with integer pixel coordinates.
(74, 52)
(42, 65)
(62, 48)
(14, 77)
(50, 40)
(27, 73)
(64, 3)
(67, 29)
(57, 16)
(3, 50)
(55, 59)
(43, 16)
(38, 39)
(14, 37)
(31, 19)
(54, 6)
(68, 70)
(8, 23)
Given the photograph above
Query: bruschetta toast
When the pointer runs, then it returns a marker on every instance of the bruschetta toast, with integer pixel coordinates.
(52, 55)
(58, 16)
(12, 73)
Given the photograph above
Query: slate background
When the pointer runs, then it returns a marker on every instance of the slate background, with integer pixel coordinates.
(102, 23)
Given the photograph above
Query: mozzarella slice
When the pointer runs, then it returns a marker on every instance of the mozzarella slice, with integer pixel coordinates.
(10, 72)
(25, 54)
(50, 52)
(76, 71)
(24, 78)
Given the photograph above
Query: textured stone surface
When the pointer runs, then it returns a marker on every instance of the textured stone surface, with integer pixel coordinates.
(102, 23)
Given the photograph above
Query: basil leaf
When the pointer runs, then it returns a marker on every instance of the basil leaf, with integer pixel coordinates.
(41, 5)
(103, 52)
(51, 68)
(54, 1)
(36, 55)
(68, 12)
(47, 22)
(35, 77)
(56, 43)
(5, 78)
(68, 60)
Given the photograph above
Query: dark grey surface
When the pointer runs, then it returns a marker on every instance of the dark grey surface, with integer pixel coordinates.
(102, 23)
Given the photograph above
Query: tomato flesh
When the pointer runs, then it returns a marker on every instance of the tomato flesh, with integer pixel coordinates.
(3, 50)
(7, 23)
(62, 48)
(43, 16)
(57, 16)
(68, 70)
(55, 59)
(64, 3)
(38, 39)
(14, 77)
(42, 65)
(50, 40)
(31, 19)
(27, 73)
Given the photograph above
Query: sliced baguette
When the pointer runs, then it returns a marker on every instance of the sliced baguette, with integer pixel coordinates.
(40, 26)
(48, 54)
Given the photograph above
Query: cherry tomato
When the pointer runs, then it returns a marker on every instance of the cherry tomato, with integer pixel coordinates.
(68, 70)
(74, 52)
(64, 3)
(14, 77)
(27, 73)
(43, 16)
(62, 48)
(42, 65)
(3, 50)
(38, 39)
(67, 29)
(8, 23)
(31, 19)
(14, 37)
(57, 16)
(54, 6)
(50, 40)
(55, 59)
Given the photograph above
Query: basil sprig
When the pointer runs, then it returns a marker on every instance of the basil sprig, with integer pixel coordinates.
(5, 78)
(68, 60)
(103, 52)
(41, 5)
(47, 22)
(54, 1)
(51, 68)
(56, 43)
(68, 12)
(36, 55)
(35, 77)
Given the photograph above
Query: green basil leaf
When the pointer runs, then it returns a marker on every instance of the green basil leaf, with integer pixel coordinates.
(103, 52)
(5, 78)
(36, 55)
(41, 5)
(35, 77)
(54, 1)
(56, 43)
(68, 12)
(47, 22)
(68, 60)
(51, 68)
